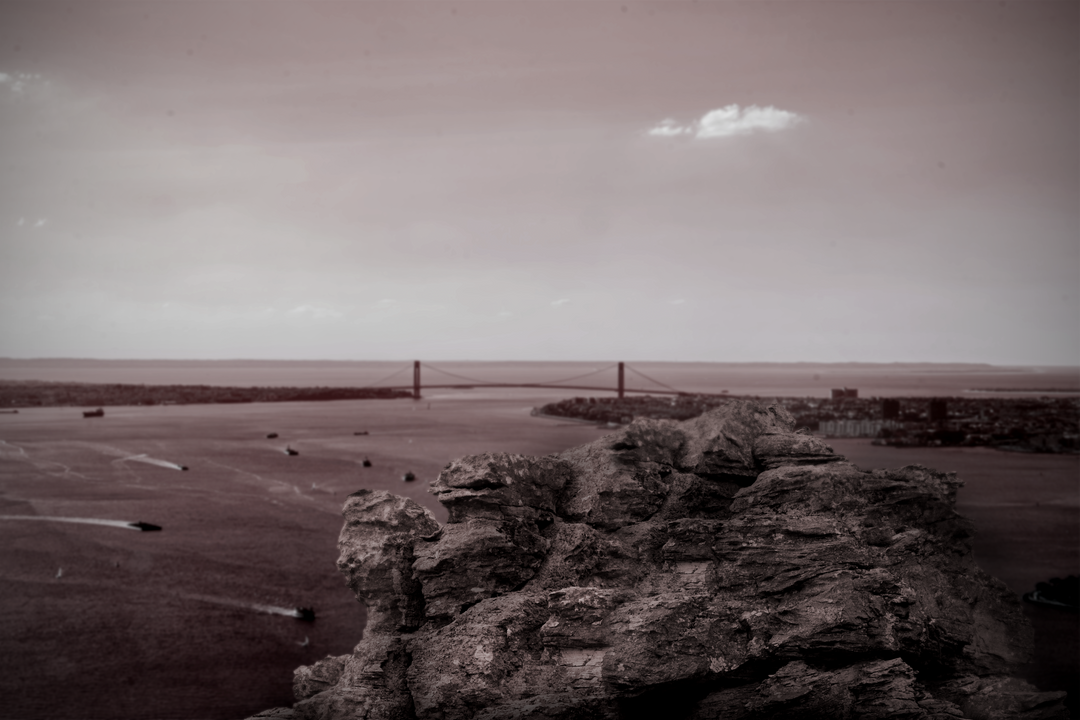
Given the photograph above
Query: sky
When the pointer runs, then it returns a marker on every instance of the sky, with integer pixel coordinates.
(875, 181)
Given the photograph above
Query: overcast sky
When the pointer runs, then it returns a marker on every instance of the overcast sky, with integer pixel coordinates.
(698, 181)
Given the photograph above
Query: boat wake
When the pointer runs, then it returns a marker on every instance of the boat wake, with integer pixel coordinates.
(141, 526)
(153, 461)
(300, 613)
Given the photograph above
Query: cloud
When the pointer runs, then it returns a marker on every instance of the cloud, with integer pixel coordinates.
(17, 82)
(40, 222)
(560, 302)
(730, 120)
(313, 311)
(671, 128)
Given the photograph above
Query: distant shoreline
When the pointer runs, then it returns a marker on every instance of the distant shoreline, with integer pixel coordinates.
(33, 393)
(1027, 391)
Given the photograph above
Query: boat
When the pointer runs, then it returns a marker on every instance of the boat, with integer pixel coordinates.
(408, 477)
(271, 436)
(290, 451)
(1058, 592)
(304, 613)
(366, 463)
(100, 412)
(145, 527)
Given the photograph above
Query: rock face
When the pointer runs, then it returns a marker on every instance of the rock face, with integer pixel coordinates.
(726, 567)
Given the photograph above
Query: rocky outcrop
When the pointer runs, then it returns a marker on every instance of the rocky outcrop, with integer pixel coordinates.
(725, 567)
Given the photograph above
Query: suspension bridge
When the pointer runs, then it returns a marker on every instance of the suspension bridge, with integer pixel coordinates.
(469, 383)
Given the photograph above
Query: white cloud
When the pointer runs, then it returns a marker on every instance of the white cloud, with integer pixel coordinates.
(40, 222)
(730, 120)
(18, 82)
(670, 128)
(560, 302)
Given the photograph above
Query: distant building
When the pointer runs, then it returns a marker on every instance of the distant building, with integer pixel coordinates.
(841, 393)
(938, 411)
(890, 409)
(856, 428)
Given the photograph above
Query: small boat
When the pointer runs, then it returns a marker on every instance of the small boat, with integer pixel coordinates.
(145, 527)
(271, 436)
(362, 432)
(290, 451)
(100, 412)
(408, 477)
(366, 463)
(304, 613)
(1058, 592)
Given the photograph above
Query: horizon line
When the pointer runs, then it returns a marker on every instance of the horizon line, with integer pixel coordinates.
(505, 361)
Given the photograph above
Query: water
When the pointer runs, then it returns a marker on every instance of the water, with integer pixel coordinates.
(196, 620)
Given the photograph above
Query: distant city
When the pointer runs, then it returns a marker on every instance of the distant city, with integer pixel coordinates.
(1039, 423)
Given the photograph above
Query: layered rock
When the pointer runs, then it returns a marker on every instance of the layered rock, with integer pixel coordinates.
(724, 567)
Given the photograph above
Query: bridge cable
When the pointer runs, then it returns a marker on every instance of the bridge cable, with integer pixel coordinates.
(385, 378)
(578, 377)
(459, 377)
(637, 372)
(485, 382)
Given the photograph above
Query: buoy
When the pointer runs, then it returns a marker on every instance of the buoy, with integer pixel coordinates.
(408, 477)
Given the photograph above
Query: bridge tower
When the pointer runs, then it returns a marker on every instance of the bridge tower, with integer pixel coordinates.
(622, 384)
(416, 380)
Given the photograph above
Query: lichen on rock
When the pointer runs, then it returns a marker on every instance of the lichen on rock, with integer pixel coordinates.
(723, 567)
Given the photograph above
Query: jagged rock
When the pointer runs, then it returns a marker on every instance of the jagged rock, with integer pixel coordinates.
(475, 560)
(873, 690)
(371, 684)
(500, 485)
(727, 567)
(311, 680)
(376, 546)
